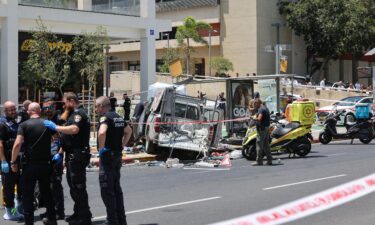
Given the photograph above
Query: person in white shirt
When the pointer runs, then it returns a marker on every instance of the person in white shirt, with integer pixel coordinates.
(323, 82)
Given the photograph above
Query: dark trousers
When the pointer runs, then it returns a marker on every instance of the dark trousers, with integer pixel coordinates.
(58, 191)
(263, 145)
(127, 115)
(31, 173)
(76, 177)
(110, 188)
(10, 180)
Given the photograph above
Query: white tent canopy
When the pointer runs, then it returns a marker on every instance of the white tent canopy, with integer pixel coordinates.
(154, 88)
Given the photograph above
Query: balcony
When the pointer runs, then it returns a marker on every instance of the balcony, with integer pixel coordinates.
(120, 7)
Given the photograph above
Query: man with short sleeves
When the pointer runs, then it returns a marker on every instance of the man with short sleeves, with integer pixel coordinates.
(113, 136)
(75, 143)
(262, 143)
(36, 164)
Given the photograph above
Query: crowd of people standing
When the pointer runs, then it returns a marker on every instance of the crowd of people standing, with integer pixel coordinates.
(33, 150)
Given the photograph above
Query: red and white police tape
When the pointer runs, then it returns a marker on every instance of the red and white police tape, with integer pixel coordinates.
(309, 205)
(192, 122)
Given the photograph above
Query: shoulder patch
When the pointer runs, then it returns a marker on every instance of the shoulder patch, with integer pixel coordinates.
(102, 119)
(77, 118)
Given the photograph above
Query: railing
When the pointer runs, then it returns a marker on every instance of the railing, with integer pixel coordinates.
(123, 7)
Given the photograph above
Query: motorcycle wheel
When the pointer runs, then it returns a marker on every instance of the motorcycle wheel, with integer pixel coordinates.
(325, 138)
(366, 140)
(249, 152)
(303, 147)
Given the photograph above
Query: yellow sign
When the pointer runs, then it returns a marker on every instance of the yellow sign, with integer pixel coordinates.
(175, 68)
(64, 47)
(283, 65)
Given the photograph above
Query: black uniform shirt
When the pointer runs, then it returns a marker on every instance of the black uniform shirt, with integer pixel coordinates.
(37, 140)
(8, 134)
(22, 116)
(80, 140)
(115, 130)
(265, 122)
(127, 104)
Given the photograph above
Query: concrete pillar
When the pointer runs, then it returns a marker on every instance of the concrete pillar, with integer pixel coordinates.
(85, 5)
(148, 51)
(9, 54)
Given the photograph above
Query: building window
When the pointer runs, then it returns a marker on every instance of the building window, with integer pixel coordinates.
(116, 66)
(134, 66)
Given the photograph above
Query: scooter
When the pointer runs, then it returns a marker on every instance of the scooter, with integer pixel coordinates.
(292, 138)
(362, 130)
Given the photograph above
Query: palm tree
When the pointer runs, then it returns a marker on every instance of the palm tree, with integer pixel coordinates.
(189, 30)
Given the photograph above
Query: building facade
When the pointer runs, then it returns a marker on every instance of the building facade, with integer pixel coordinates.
(123, 20)
(245, 32)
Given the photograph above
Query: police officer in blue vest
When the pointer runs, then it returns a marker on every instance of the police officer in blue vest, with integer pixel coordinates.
(8, 134)
(113, 135)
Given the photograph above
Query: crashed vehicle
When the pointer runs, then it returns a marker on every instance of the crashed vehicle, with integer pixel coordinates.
(181, 122)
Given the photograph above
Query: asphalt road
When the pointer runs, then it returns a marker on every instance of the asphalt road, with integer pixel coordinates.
(157, 195)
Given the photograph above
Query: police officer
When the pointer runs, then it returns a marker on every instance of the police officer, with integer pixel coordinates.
(57, 170)
(22, 114)
(75, 143)
(113, 135)
(262, 144)
(8, 133)
(36, 163)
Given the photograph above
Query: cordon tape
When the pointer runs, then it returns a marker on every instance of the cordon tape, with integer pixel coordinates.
(309, 205)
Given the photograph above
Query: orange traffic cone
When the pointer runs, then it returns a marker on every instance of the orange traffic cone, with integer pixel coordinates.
(226, 161)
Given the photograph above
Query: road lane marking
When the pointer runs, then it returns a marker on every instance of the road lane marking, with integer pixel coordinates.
(309, 205)
(304, 182)
(164, 206)
(337, 154)
(208, 169)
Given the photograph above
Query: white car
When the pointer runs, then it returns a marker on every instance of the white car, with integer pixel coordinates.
(348, 104)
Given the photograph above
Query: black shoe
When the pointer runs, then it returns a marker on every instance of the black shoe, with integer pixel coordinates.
(46, 221)
(43, 215)
(71, 217)
(80, 222)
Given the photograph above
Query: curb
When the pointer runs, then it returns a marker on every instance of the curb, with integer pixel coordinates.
(129, 159)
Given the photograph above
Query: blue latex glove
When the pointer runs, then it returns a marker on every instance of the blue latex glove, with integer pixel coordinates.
(4, 167)
(50, 125)
(57, 159)
(103, 150)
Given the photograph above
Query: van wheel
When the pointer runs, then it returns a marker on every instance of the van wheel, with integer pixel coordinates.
(249, 152)
(349, 118)
(149, 146)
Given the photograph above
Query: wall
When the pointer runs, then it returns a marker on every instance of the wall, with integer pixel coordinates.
(206, 14)
(239, 34)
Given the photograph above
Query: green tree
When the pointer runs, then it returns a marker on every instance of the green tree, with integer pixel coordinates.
(221, 65)
(48, 61)
(89, 55)
(170, 55)
(190, 31)
(331, 28)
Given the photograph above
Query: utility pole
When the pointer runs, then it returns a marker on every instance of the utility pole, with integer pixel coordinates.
(107, 47)
(209, 49)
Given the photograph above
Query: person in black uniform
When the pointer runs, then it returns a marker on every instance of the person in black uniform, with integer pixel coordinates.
(50, 113)
(126, 106)
(113, 135)
(75, 143)
(22, 114)
(9, 179)
(36, 163)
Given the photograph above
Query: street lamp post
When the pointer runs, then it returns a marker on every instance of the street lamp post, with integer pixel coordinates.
(209, 49)
(107, 47)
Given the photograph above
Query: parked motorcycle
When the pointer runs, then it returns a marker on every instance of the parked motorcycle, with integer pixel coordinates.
(361, 129)
(292, 138)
